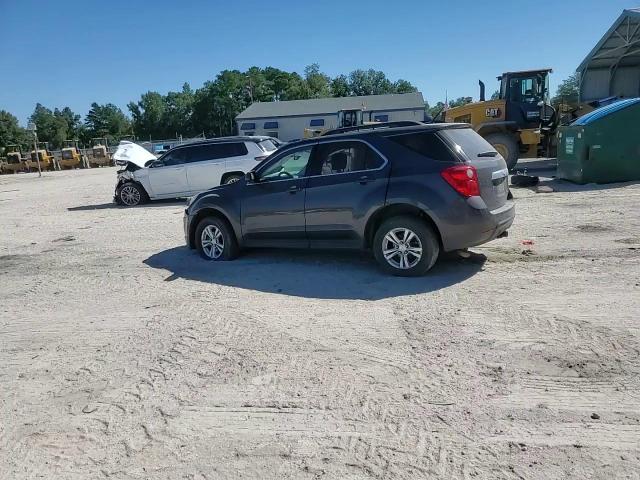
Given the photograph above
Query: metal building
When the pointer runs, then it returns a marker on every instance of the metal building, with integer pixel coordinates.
(612, 68)
(288, 120)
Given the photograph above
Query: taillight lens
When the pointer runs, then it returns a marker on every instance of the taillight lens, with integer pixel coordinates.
(463, 179)
(259, 159)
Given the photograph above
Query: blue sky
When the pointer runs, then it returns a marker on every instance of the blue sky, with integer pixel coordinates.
(86, 50)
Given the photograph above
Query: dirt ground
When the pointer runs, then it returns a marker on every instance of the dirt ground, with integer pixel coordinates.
(124, 356)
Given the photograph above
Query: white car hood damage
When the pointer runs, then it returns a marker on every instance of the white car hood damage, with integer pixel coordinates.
(132, 152)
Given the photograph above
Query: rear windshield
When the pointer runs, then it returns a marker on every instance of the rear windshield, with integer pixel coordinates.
(469, 141)
(267, 146)
(427, 144)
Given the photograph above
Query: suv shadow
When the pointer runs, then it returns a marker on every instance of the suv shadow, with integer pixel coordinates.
(112, 205)
(312, 274)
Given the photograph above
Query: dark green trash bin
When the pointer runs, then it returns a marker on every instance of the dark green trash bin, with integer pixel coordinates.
(602, 146)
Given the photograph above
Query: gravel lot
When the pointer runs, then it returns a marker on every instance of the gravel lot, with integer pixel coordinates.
(125, 356)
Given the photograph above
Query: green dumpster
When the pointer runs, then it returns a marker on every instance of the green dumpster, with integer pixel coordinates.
(602, 146)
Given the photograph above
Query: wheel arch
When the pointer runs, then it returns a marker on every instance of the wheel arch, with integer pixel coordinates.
(202, 214)
(135, 182)
(394, 210)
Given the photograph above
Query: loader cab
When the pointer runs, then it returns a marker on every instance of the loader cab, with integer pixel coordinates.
(14, 157)
(524, 94)
(349, 118)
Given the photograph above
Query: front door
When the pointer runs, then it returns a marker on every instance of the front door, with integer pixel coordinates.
(273, 206)
(168, 175)
(348, 181)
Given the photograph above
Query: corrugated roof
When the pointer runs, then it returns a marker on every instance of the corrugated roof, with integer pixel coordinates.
(621, 42)
(602, 112)
(318, 106)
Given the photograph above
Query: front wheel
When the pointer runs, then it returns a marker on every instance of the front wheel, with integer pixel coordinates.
(131, 194)
(405, 246)
(215, 240)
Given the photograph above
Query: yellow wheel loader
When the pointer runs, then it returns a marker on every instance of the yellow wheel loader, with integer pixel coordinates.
(47, 160)
(72, 157)
(14, 162)
(520, 123)
(100, 156)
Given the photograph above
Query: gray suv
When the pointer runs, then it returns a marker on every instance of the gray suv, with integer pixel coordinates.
(407, 193)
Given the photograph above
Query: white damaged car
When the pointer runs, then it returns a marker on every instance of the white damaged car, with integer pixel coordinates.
(185, 170)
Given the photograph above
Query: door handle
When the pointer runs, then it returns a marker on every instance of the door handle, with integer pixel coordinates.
(294, 189)
(363, 180)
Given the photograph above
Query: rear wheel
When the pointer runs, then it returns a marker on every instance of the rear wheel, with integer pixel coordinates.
(405, 246)
(507, 146)
(215, 240)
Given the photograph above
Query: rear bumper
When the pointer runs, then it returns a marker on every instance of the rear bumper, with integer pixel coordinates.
(479, 226)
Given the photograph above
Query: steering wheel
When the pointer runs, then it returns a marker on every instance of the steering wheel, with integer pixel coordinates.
(284, 173)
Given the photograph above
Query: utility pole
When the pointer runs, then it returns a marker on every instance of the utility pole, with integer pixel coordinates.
(32, 127)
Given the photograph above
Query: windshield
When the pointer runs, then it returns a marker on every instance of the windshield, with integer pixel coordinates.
(527, 89)
(267, 146)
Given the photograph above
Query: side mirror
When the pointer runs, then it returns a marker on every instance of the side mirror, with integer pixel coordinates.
(251, 177)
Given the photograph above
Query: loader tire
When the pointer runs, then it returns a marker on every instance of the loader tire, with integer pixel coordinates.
(506, 145)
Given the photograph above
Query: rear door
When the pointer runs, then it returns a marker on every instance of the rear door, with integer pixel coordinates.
(167, 175)
(348, 180)
(205, 165)
(493, 174)
(244, 156)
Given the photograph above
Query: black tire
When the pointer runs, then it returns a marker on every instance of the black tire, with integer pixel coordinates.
(233, 178)
(229, 250)
(507, 145)
(426, 240)
(131, 194)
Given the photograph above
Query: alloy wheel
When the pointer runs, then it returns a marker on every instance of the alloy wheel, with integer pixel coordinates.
(212, 241)
(130, 195)
(402, 248)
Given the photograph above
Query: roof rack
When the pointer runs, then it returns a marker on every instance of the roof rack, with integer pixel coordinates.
(372, 126)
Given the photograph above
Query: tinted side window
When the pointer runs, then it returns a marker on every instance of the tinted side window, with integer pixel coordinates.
(343, 157)
(469, 141)
(175, 157)
(427, 144)
(287, 167)
(215, 151)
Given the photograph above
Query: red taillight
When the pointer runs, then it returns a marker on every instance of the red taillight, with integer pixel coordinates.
(259, 159)
(463, 179)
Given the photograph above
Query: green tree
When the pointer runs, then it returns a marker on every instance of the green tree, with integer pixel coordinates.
(495, 95)
(317, 83)
(178, 112)
(107, 120)
(568, 92)
(340, 86)
(436, 109)
(460, 101)
(403, 86)
(57, 126)
(11, 133)
(147, 115)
